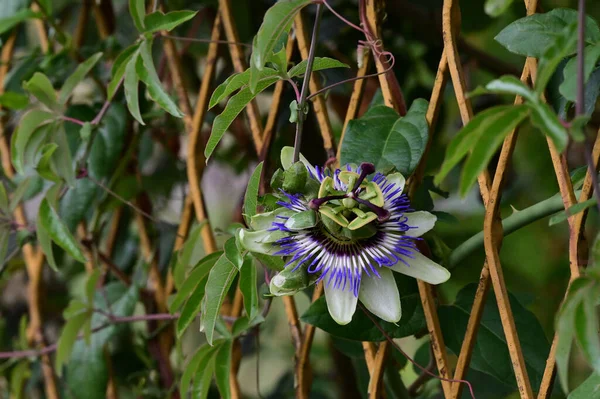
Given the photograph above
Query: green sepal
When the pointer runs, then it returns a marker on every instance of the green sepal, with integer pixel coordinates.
(277, 179)
(294, 178)
(290, 281)
(262, 242)
(264, 221)
(302, 220)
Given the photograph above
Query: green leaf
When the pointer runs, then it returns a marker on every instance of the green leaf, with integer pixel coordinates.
(202, 384)
(130, 85)
(586, 331)
(12, 100)
(497, 119)
(192, 369)
(251, 196)
(77, 202)
(554, 54)
(30, 122)
(233, 253)
(137, 9)
(72, 81)
(147, 74)
(4, 237)
(87, 371)
(41, 88)
(44, 167)
(91, 285)
(277, 20)
(67, 340)
(507, 85)
(495, 8)
(532, 35)
(234, 106)
(119, 67)
(58, 232)
(236, 82)
(565, 327)
(45, 242)
(19, 375)
(546, 120)
(387, 141)
(361, 328)
(193, 305)
(108, 142)
(46, 5)
(573, 210)
(191, 253)
(62, 159)
(161, 21)
(248, 286)
(568, 88)
(490, 354)
(8, 23)
(222, 369)
(588, 389)
(243, 324)
(219, 280)
(488, 143)
(193, 280)
(4, 207)
(319, 64)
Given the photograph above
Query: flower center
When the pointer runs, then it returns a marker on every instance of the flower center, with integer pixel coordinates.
(345, 208)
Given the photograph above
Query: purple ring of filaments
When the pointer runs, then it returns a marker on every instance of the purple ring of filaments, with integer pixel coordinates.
(344, 262)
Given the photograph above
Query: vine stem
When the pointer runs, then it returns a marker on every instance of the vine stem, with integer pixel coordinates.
(580, 101)
(305, 82)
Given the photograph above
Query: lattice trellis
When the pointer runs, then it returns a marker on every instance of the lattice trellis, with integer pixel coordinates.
(490, 188)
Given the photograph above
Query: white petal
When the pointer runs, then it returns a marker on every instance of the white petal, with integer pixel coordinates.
(380, 295)
(423, 268)
(421, 221)
(341, 303)
(397, 179)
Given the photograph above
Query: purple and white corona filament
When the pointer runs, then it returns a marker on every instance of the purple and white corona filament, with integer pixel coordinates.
(352, 236)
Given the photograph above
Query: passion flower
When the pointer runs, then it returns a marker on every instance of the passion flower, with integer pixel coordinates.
(351, 234)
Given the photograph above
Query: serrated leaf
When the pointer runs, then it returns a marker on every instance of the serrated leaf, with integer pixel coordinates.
(80, 72)
(192, 368)
(30, 122)
(237, 81)
(222, 369)
(563, 45)
(573, 210)
(532, 35)
(41, 88)
(147, 74)
(248, 286)
(277, 20)
(137, 9)
(234, 106)
(169, 21)
(220, 279)
(568, 87)
(251, 196)
(118, 69)
(488, 143)
(131, 84)
(319, 64)
(58, 232)
(67, 339)
(12, 100)
(546, 120)
(193, 279)
(496, 118)
(8, 23)
(386, 140)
